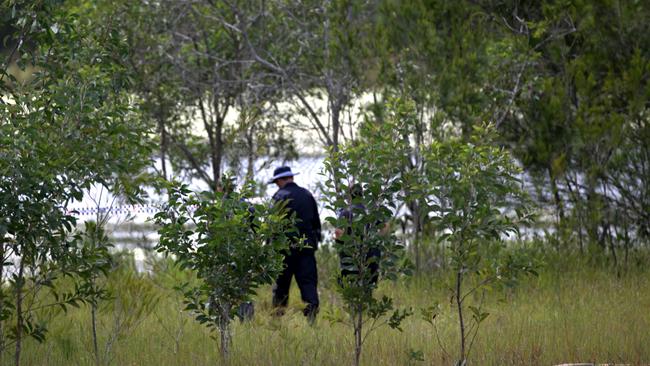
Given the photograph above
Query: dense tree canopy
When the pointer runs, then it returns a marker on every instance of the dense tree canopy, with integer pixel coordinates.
(230, 83)
(93, 92)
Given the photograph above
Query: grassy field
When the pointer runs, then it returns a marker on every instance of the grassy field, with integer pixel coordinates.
(573, 312)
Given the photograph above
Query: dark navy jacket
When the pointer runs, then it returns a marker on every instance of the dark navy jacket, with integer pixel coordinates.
(348, 213)
(304, 205)
(372, 253)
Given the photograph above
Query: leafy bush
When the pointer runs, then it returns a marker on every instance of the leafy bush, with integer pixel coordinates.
(233, 247)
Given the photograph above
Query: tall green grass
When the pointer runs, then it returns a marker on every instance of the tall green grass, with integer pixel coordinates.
(572, 312)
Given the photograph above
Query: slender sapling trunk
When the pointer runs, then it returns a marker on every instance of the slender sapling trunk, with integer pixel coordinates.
(93, 314)
(358, 329)
(224, 332)
(461, 322)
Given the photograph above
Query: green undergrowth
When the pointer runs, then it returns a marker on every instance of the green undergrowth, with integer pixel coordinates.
(575, 310)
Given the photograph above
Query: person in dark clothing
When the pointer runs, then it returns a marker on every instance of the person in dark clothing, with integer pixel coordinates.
(300, 260)
(374, 254)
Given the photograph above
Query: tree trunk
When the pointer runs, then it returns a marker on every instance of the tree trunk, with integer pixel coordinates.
(461, 321)
(358, 339)
(252, 156)
(224, 332)
(163, 144)
(573, 198)
(607, 228)
(626, 238)
(217, 152)
(336, 124)
(556, 196)
(593, 206)
(416, 238)
(417, 251)
(93, 314)
(20, 282)
(612, 246)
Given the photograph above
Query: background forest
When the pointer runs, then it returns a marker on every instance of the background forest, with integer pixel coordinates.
(510, 140)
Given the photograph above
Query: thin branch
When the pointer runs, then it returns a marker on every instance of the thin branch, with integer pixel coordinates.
(513, 95)
(442, 346)
(297, 91)
(481, 284)
(471, 343)
(195, 164)
(19, 44)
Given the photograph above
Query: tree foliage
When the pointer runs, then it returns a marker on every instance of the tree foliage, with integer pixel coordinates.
(475, 200)
(370, 166)
(233, 247)
(69, 126)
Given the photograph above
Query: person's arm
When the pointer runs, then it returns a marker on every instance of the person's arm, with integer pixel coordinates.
(385, 227)
(338, 233)
(385, 230)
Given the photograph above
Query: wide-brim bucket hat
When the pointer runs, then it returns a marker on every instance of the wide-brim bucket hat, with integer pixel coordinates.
(281, 172)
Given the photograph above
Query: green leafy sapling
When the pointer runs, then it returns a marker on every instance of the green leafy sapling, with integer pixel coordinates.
(232, 245)
(475, 200)
(362, 189)
(69, 126)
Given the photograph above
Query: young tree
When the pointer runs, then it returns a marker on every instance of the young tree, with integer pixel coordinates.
(368, 250)
(67, 127)
(233, 247)
(475, 199)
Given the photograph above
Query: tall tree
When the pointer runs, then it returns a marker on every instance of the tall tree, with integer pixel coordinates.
(66, 128)
(200, 84)
(577, 106)
(318, 52)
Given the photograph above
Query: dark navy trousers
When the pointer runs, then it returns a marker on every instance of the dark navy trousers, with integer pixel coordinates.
(302, 265)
